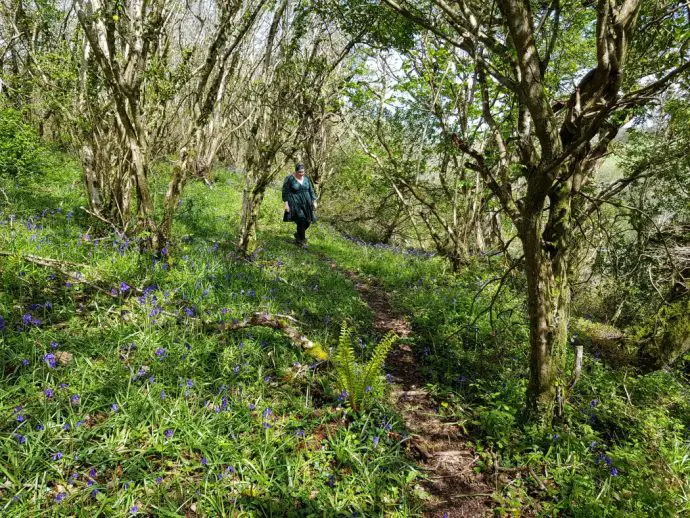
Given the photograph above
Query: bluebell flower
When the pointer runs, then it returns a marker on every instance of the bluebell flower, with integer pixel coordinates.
(20, 418)
(56, 456)
(60, 497)
(49, 392)
(331, 481)
(161, 353)
(134, 509)
(124, 287)
(74, 399)
(94, 493)
(93, 472)
(54, 345)
(20, 438)
(2, 323)
(169, 433)
(114, 407)
(162, 394)
(66, 427)
(236, 369)
(204, 461)
(343, 395)
(159, 480)
(39, 427)
(50, 360)
(299, 433)
(614, 472)
(252, 406)
(25, 363)
(266, 412)
(266, 425)
(376, 441)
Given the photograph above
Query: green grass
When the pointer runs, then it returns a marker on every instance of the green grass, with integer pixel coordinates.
(174, 417)
(312, 456)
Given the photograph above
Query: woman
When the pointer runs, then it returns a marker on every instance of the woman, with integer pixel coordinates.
(300, 202)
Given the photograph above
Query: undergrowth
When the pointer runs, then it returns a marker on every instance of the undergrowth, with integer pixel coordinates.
(119, 399)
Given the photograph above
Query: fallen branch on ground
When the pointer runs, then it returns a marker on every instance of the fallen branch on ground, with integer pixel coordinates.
(63, 267)
(282, 323)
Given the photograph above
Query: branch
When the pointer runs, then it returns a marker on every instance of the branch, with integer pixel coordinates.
(283, 323)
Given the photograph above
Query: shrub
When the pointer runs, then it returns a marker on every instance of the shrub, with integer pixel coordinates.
(21, 151)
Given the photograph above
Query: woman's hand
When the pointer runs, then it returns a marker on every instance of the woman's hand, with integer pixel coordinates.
(314, 202)
(287, 206)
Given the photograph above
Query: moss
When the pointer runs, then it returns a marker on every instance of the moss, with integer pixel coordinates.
(612, 343)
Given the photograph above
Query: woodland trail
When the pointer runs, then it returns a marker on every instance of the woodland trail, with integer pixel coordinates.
(438, 447)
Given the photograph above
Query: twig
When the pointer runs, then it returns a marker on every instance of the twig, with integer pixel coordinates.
(535, 477)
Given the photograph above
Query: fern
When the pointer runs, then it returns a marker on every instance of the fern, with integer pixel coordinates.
(360, 382)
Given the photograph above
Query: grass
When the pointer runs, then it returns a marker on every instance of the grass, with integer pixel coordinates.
(154, 412)
(217, 423)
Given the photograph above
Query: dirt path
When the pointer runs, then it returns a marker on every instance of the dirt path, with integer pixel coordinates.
(438, 447)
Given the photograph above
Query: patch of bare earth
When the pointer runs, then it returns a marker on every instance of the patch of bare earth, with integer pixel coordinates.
(438, 447)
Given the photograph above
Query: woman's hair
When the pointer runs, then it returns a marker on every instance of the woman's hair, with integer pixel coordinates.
(299, 167)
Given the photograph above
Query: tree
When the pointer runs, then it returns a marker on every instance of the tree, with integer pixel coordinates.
(551, 119)
(130, 44)
(302, 68)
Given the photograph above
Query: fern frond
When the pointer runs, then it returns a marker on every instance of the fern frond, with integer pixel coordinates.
(378, 357)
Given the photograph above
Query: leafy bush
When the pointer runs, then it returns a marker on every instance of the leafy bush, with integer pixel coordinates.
(21, 151)
(360, 383)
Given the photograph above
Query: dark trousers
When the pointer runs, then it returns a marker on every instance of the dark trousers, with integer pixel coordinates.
(302, 226)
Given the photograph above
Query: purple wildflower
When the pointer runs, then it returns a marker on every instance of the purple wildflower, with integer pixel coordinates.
(134, 509)
(376, 441)
(60, 497)
(159, 480)
(40, 427)
(50, 360)
(54, 345)
(252, 406)
(614, 472)
(266, 412)
(25, 362)
(161, 353)
(49, 392)
(114, 407)
(204, 461)
(94, 493)
(266, 425)
(74, 399)
(56, 456)
(92, 472)
(124, 287)
(169, 433)
(66, 427)
(21, 418)
(20, 438)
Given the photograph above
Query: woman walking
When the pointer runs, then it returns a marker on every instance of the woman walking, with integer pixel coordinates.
(300, 203)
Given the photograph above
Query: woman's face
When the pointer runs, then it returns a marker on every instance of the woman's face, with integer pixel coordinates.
(299, 174)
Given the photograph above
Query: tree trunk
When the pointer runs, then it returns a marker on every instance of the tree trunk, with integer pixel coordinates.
(251, 204)
(548, 303)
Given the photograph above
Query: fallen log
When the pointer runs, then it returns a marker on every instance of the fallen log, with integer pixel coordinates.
(282, 323)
